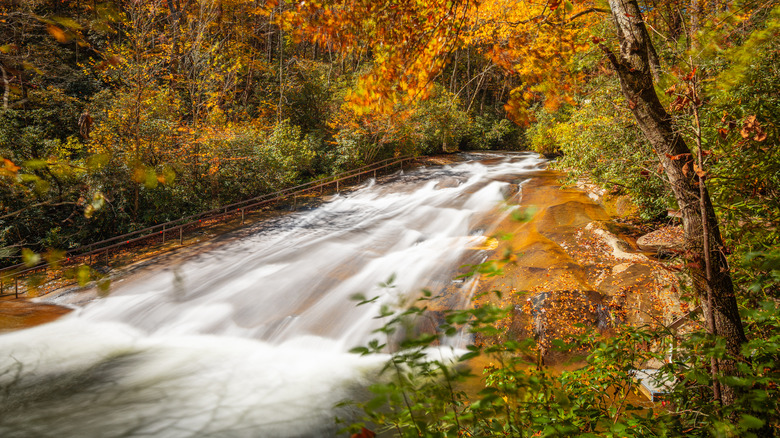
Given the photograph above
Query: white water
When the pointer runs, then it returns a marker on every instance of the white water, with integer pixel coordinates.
(252, 339)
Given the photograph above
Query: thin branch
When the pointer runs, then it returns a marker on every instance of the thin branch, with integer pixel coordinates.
(611, 56)
(589, 11)
(40, 204)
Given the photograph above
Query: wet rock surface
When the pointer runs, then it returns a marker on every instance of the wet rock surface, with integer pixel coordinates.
(19, 314)
(570, 265)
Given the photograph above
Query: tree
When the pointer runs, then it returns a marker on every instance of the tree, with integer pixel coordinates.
(537, 41)
(635, 66)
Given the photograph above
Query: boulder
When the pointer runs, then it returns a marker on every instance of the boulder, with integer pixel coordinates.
(664, 241)
(20, 314)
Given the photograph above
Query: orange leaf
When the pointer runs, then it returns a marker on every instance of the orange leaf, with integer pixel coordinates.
(10, 166)
(679, 156)
(364, 433)
(57, 33)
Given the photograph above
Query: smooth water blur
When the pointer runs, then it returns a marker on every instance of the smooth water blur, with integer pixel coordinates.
(251, 339)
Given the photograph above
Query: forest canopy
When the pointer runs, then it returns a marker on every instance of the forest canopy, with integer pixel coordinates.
(116, 115)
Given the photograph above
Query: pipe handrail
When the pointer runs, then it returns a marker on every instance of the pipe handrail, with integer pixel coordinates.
(183, 222)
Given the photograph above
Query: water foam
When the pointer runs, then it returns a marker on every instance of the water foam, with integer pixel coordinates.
(251, 339)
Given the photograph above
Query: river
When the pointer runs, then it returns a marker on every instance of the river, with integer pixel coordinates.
(252, 338)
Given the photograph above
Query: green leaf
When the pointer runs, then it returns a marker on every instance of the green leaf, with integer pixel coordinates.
(750, 422)
(35, 164)
(30, 257)
(95, 162)
(360, 350)
(104, 285)
(150, 179)
(67, 22)
(470, 355)
(389, 283)
(83, 275)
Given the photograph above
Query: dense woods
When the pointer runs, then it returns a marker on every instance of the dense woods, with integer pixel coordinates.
(121, 114)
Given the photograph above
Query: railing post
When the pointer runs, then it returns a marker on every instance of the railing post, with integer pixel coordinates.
(325, 181)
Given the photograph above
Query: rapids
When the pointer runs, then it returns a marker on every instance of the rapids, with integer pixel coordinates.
(251, 339)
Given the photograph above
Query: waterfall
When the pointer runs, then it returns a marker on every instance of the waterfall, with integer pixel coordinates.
(251, 338)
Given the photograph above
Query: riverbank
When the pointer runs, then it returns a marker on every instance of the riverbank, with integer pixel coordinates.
(567, 267)
(566, 259)
(57, 298)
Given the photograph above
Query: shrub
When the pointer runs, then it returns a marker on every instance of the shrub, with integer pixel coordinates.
(285, 156)
(488, 132)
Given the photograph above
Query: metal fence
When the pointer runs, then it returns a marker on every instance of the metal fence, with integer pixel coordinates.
(17, 280)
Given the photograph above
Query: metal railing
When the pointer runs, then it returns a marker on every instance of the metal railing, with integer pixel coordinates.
(12, 276)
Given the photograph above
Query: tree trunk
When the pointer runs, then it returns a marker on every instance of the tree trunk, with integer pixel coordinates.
(636, 81)
(174, 20)
(6, 88)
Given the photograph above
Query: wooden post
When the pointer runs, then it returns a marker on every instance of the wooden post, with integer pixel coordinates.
(337, 186)
(163, 235)
(242, 216)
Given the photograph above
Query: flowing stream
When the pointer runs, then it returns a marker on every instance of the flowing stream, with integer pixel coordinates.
(251, 339)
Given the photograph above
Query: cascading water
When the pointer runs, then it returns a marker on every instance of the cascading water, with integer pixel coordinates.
(251, 339)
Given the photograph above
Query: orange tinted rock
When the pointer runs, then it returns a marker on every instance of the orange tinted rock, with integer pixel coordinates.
(19, 314)
(666, 240)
